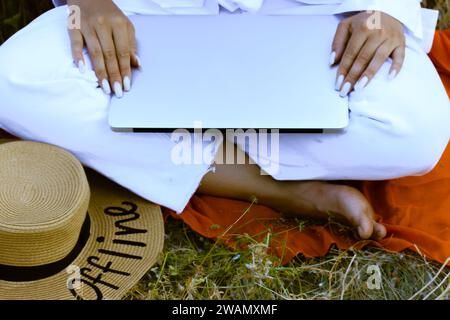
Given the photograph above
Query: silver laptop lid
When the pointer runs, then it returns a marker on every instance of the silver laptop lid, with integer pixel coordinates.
(232, 71)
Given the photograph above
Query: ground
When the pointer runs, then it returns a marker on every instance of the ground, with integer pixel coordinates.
(192, 267)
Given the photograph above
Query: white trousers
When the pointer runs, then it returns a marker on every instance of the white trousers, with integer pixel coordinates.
(397, 128)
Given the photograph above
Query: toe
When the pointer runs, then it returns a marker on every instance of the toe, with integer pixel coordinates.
(379, 231)
(357, 210)
(359, 215)
(365, 228)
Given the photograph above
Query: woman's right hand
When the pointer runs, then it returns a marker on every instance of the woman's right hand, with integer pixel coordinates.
(110, 39)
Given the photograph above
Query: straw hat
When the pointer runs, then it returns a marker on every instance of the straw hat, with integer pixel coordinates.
(58, 239)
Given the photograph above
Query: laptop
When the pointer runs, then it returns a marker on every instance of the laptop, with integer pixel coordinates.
(232, 71)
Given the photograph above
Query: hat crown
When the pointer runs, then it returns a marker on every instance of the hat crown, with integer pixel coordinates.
(44, 196)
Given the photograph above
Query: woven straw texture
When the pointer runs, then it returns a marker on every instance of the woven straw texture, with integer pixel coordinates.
(44, 195)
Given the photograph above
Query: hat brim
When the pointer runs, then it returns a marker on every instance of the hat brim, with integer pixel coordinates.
(126, 237)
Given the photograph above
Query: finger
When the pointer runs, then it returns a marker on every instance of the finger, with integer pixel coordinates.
(381, 55)
(105, 36)
(398, 58)
(340, 41)
(360, 64)
(122, 45)
(352, 50)
(98, 63)
(135, 61)
(77, 44)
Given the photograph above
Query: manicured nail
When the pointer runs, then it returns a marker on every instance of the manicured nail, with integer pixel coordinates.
(345, 89)
(332, 58)
(138, 60)
(118, 89)
(362, 83)
(106, 87)
(81, 66)
(127, 83)
(339, 82)
(392, 74)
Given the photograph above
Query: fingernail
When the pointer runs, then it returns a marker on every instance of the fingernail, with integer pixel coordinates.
(127, 83)
(339, 82)
(392, 74)
(106, 87)
(118, 89)
(345, 89)
(332, 58)
(362, 83)
(81, 66)
(138, 60)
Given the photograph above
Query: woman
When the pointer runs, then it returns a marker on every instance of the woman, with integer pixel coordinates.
(399, 120)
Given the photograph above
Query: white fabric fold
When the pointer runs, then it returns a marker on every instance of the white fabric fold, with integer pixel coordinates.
(392, 133)
(419, 23)
(246, 5)
(179, 3)
(408, 12)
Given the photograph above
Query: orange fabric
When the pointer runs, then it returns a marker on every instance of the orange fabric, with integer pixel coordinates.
(415, 210)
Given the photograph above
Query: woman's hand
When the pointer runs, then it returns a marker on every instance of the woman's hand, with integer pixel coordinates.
(361, 48)
(110, 39)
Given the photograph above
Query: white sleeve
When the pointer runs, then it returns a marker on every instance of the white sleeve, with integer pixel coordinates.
(247, 5)
(408, 12)
(164, 7)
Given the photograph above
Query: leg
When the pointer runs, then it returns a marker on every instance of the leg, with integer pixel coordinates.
(308, 198)
(45, 98)
(397, 128)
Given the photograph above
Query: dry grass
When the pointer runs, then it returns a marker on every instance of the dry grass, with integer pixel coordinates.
(196, 268)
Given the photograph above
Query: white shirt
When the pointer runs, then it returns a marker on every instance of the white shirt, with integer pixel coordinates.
(419, 23)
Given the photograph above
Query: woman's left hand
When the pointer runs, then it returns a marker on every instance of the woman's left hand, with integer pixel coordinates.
(361, 47)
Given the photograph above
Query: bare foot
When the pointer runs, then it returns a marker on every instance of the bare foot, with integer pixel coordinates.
(300, 198)
(320, 199)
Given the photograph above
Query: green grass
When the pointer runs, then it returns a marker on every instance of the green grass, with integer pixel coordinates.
(193, 267)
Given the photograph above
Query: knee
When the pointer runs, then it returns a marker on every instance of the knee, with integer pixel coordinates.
(421, 146)
(411, 114)
(424, 156)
